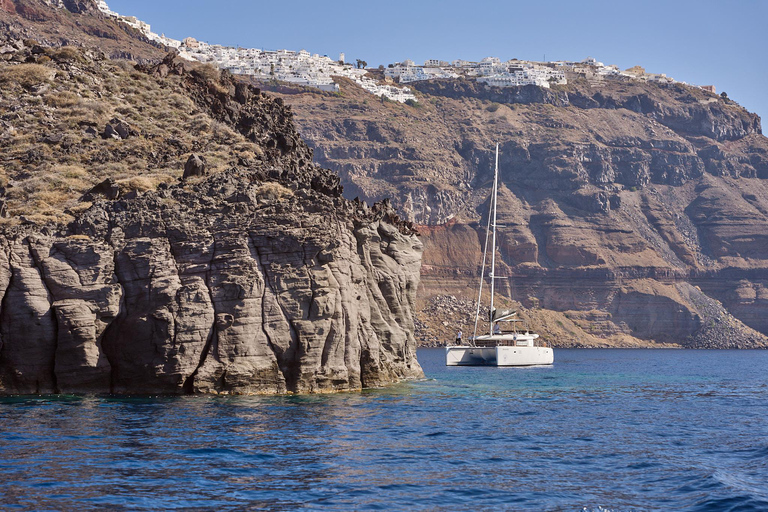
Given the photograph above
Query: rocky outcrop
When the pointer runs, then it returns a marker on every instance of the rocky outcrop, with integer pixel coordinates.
(260, 278)
(217, 288)
(76, 23)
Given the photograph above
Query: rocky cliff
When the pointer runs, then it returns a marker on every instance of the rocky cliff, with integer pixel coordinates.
(634, 213)
(631, 212)
(164, 230)
(53, 23)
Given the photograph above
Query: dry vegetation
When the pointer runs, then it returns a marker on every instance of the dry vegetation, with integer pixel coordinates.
(273, 191)
(52, 115)
(26, 75)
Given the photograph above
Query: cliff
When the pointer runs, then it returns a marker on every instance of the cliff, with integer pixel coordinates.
(632, 213)
(165, 231)
(54, 23)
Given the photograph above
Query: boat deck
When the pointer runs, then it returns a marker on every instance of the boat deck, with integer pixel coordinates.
(509, 343)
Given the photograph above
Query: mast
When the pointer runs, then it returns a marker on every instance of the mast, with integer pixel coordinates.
(493, 236)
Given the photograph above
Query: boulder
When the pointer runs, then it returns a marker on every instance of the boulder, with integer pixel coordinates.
(195, 166)
(107, 188)
(117, 129)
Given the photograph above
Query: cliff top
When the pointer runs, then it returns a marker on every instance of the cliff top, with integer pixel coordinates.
(78, 23)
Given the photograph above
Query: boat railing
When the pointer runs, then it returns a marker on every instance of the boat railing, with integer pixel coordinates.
(508, 343)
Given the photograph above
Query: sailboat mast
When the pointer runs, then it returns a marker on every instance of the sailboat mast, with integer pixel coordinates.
(493, 236)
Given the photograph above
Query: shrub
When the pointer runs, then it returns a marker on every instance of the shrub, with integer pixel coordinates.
(65, 54)
(51, 198)
(72, 171)
(273, 191)
(61, 99)
(137, 183)
(124, 65)
(223, 133)
(91, 110)
(198, 125)
(26, 75)
(208, 72)
(9, 221)
(181, 102)
(493, 107)
(142, 183)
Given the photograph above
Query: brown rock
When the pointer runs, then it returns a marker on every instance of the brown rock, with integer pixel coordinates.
(195, 166)
(107, 188)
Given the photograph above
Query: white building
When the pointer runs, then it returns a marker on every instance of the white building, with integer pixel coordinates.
(435, 63)
(299, 68)
(313, 70)
(407, 71)
(463, 64)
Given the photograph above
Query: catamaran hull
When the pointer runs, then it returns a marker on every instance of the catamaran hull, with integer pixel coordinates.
(498, 356)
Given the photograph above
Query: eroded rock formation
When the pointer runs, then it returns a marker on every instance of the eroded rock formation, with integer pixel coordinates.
(217, 289)
(260, 278)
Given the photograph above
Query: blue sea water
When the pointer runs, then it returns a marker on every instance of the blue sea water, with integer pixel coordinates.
(599, 430)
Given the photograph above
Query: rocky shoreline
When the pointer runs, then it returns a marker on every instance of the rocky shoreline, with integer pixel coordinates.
(260, 278)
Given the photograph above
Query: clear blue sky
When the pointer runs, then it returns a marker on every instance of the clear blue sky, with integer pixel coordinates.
(702, 42)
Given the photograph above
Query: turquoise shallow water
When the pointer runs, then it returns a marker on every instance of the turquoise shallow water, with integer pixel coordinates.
(599, 430)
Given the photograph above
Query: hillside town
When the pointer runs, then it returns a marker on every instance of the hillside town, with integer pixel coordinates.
(319, 71)
(295, 67)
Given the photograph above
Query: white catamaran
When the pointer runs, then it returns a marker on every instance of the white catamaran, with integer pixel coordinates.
(501, 346)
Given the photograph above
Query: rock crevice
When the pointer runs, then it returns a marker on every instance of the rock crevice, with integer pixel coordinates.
(256, 301)
(229, 281)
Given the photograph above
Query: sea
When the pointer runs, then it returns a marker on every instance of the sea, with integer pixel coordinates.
(600, 430)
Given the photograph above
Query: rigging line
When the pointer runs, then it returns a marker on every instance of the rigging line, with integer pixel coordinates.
(482, 268)
(482, 272)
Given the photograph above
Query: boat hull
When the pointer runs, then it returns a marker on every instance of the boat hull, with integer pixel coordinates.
(498, 356)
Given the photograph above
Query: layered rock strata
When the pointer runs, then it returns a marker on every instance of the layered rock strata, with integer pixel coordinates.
(616, 197)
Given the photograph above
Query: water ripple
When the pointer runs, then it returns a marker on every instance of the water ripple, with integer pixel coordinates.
(601, 430)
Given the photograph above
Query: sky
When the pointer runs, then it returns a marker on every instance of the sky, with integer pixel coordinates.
(704, 42)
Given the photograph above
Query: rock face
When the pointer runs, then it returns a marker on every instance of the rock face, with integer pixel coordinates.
(257, 279)
(74, 23)
(215, 289)
(617, 196)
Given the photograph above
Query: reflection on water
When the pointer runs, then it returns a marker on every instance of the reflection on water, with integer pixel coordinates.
(618, 429)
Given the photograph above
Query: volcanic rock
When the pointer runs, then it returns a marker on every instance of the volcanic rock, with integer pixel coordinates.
(195, 166)
(613, 196)
(257, 279)
(108, 188)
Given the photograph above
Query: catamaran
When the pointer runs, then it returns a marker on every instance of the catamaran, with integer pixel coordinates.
(504, 345)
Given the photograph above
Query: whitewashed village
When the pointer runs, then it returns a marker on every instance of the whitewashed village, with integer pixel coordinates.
(312, 70)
